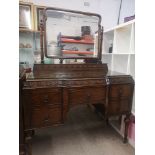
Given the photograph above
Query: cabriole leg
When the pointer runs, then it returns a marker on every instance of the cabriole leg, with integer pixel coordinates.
(28, 141)
(126, 121)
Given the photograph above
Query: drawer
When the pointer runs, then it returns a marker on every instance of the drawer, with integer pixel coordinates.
(55, 115)
(37, 117)
(39, 105)
(46, 90)
(46, 117)
(98, 94)
(78, 96)
(124, 90)
(86, 95)
(52, 99)
(119, 107)
(39, 98)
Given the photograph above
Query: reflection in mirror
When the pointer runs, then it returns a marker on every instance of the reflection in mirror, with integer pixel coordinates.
(71, 35)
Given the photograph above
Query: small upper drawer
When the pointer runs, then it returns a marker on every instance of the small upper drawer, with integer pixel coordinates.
(98, 94)
(81, 95)
(124, 90)
(46, 96)
(77, 96)
(45, 90)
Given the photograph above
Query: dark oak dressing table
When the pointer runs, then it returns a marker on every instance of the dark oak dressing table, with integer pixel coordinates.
(51, 90)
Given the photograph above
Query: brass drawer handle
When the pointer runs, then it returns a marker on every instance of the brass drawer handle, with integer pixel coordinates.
(46, 119)
(46, 99)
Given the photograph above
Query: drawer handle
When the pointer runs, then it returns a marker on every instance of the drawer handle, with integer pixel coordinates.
(46, 101)
(26, 85)
(46, 119)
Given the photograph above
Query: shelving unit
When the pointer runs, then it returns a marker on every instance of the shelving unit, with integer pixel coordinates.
(27, 36)
(123, 54)
(122, 58)
(26, 54)
(122, 39)
(120, 63)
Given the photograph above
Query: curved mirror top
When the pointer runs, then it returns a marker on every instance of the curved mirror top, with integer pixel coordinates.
(71, 34)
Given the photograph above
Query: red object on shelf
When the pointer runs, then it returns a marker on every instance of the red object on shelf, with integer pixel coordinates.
(64, 40)
(77, 52)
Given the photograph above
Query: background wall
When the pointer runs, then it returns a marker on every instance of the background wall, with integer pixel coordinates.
(128, 9)
(70, 4)
(108, 9)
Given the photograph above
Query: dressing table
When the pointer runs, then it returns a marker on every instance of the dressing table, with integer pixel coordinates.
(51, 90)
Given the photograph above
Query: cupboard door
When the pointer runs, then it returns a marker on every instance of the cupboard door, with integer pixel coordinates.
(120, 98)
(119, 106)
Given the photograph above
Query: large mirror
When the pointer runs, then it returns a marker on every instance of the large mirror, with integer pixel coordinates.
(71, 34)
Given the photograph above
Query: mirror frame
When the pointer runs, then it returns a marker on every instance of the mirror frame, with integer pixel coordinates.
(43, 36)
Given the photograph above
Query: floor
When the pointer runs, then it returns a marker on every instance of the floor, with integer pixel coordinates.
(84, 133)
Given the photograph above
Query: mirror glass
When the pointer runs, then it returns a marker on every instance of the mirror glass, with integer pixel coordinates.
(71, 35)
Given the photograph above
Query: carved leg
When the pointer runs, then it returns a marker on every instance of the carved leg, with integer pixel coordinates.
(126, 121)
(22, 149)
(29, 147)
(28, 141)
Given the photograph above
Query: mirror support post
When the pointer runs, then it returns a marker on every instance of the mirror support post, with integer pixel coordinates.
(41, 42)
(101, 41)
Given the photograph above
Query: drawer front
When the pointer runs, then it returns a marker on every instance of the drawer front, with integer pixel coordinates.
(98, 94)
(37, 117)
(124, 90)
(119, 107)
(86, 95)
(78, 96)
(46, 117)
(43, 107)
(45, 97)
(53, 99)
(55, 115)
